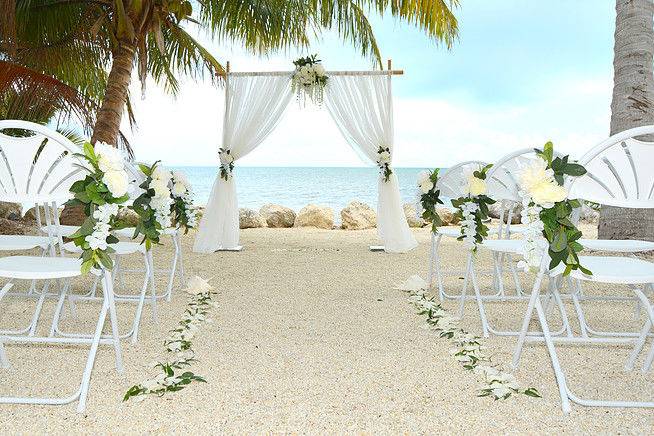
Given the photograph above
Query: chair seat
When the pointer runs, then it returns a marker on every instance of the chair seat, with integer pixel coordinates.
(608, 269)
(65, 231)
(22, 242)
(617, 245)
(455, 232)
(128, 232)
(504, 245)
(36, 267)
(121, 248)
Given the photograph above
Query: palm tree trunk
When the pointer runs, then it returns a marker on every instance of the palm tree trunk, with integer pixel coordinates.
(107, 124)
(632, 104)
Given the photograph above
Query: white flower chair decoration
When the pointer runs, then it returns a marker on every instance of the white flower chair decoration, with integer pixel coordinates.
(619, 174)
(177, 264)
(451, 184)
(42, 179)
(503, 186)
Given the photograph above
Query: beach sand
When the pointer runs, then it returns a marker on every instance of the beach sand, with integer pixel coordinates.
(310, 336)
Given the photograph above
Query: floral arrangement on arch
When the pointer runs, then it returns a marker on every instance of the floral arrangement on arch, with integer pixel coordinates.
(430, 197)
(547, 212)
(472, 208)
(153, 206)
(100, 193)
(384, 162)
(184, 213)
(309, 79)
(226, 163)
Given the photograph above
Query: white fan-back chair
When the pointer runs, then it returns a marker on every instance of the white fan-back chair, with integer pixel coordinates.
(37, 170)
(502, 182)
(451, 184)
(619, 174)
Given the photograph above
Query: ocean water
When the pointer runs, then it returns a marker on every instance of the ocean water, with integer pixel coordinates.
(295, 187)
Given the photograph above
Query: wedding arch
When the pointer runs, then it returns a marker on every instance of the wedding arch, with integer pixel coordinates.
(361, 104)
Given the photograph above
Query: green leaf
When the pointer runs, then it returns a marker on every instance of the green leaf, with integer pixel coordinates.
(560, 242)
(532, 392)
(573, 169)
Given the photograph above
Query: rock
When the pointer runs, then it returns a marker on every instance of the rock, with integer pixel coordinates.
(411, 217)
(10, 211)
(72, 216)
(495, 209)
(277, 216)
(250, 219)
(128, 217)
(588, 214)
(447, 216)
(358, 216)
(315, 216)
(11, 227)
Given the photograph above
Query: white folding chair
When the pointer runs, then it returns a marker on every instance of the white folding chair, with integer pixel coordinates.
(51, 172)
(619, 174)
(503, 185)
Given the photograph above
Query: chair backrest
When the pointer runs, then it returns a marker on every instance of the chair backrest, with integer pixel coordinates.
(502, 180)
(37, 166)
(453, 180)
(620, 171)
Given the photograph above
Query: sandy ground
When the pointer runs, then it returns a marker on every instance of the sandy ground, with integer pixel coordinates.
(311, 337)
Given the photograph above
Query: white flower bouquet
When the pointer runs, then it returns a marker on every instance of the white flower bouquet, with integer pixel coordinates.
(473, 208)
(547, 212)
(309, 79)
(153, 205)
(100, 193)
(430, 197)
(184, 213)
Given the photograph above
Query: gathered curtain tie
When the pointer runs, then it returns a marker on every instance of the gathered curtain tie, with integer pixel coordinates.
(226, 163)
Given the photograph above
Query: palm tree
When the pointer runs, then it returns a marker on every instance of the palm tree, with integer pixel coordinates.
(153, 36)
(632, 104)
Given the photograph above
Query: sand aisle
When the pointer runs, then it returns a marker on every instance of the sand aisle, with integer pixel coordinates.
(311, 337)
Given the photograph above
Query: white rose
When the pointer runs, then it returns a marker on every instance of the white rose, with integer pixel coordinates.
(426, 186)
(160, 187)
(423, 176)
(384, 157)
(476, 186)
(161, 173)
(116, 182)
(178, 189)
(319, 70)
(534, 174)
(547, 193)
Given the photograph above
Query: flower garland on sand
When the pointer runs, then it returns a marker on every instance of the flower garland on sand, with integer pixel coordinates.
(153, 205)
(100, 193)
(309, 80)
(226, 163)
(547, 212)
(430, 197)
(174, 375)
(467, 348)
(184, 213)
(473, 208)
(384, 162)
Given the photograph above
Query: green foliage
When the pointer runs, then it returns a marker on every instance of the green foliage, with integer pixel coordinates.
(147, 225)
(384, 167)
(481, 215)
(226, 168)
(90, 193)
(561, 233)
(429, 201)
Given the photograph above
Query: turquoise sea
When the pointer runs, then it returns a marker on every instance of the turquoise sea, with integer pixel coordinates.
(295, 187)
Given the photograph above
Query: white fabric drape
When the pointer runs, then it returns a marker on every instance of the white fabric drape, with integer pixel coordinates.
(362, 107)
(253, 107)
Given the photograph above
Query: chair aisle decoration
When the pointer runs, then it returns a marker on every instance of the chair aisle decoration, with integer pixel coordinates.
(618, 173)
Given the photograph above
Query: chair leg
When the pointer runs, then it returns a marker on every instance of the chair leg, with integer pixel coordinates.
(139, 307)
(554, 358)
(535, 295)
(173, 268)
(4, 360)
(108, 291)
(58, 308)
(464, 291)
(649, 310)
(153, 299)
(480, 303)
(182, 274)
(430, 266)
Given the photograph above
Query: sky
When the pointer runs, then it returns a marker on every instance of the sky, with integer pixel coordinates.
(521, 73)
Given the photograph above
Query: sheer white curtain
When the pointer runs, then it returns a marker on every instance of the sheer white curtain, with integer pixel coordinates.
(362, 107)
(253, 107)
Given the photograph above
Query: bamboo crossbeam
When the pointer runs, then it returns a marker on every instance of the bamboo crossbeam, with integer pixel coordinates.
(389, 71)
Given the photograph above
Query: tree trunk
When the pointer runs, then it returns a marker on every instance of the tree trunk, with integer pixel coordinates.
(632, 104)
(107, 124)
